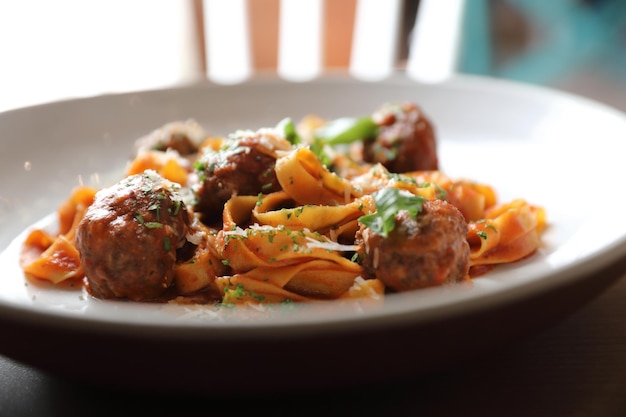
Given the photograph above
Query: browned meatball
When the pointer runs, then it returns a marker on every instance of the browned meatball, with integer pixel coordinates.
(243, 166)
(428, 251)
(184, 137)
(405, 142)
(129, 236)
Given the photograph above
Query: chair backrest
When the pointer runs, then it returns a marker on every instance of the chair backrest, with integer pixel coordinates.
(72, 48)
(302, 39)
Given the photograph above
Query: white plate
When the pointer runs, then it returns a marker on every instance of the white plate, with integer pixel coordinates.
(555, 150)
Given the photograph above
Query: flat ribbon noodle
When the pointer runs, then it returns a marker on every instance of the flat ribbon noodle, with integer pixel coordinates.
(313, 217)
(428, 184)
(267, 246)
(320, 279)
(286, 253)
(471, 198)
(366, 290)
(302, 176)
(59, 262)
(508, 233)
(200, 272)
(241, 289)
(168, 164)
(55, 258)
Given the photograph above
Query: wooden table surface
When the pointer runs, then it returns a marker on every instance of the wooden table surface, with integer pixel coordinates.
(576, 367)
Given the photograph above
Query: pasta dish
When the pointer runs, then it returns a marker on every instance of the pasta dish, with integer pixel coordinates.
(303, 211)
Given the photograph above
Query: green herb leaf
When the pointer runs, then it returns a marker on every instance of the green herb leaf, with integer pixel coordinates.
(347, 130)
(389, 201)
(153, 225)
(340, 132)
(287, 128)
(323, 151)
(174, 211)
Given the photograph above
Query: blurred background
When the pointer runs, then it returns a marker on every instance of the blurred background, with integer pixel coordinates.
(60, 49)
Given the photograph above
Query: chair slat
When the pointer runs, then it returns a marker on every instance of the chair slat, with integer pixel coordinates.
(299, 47)
(301, 39)
(376, 38)
(227, 41)
(339, 17)
(433, 52)
(263, 19)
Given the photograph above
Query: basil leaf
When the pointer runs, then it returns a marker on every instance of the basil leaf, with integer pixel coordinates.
(389, 201)
(347, 130)
(287, 128)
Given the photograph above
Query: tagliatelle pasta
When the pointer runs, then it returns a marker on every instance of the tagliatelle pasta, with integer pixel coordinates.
(55, 258)
(280, 215)
(302, 176)
(270, 210)
(505, 232)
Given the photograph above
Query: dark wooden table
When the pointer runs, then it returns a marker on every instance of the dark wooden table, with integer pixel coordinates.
(576, 367)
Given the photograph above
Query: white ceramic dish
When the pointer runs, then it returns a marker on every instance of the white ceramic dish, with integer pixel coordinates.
(553, 149)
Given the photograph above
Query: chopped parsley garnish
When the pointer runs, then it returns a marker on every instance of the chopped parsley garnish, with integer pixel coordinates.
(483, 234)
(156, 207)
(200, 167)
(239, 291)
(390, 201)
(153, 225)
(404, 178)
(174, 211)
(441, 192)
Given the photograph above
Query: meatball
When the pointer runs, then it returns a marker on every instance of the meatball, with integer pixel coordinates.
(243, 166)
(427, 251)
(183, 137)
(129, 237)
(405, 141)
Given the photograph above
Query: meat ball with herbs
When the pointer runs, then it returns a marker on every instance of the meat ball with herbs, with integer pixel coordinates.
(129, 237)
(405, 141)
(243, 166)
(184, 137)
(428, 250)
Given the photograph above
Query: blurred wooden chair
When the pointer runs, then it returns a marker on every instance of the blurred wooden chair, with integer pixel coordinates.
(302, 39)
(72, 48)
